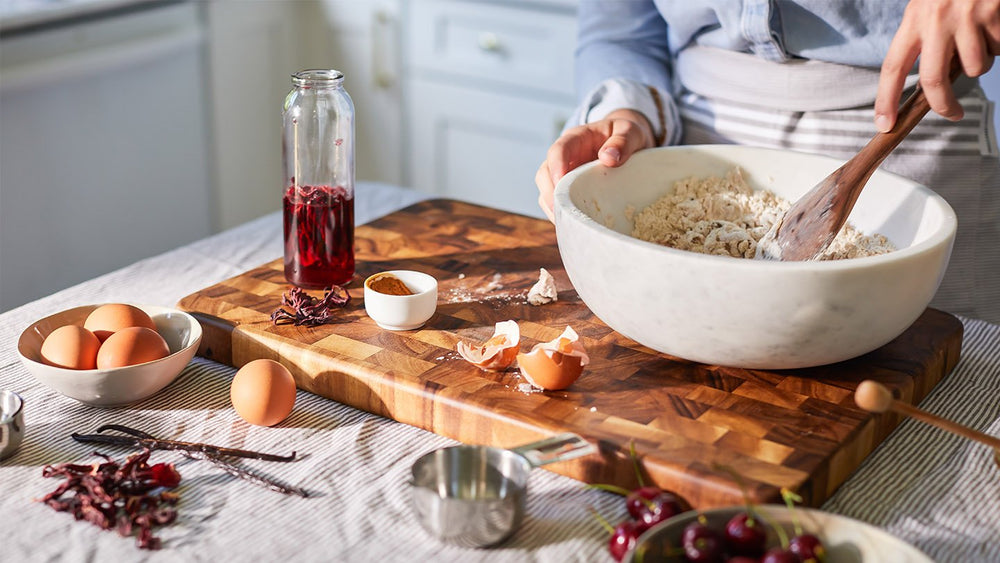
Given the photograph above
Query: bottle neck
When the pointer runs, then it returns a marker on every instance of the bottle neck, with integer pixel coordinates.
(318, 78)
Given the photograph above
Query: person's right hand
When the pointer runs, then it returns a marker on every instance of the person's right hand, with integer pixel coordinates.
(937, 31)
(612, 141)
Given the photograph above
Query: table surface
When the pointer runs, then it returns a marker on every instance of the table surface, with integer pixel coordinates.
(939, 492)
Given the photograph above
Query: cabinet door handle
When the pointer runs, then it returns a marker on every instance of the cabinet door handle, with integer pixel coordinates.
(385, 49)
(489, 42)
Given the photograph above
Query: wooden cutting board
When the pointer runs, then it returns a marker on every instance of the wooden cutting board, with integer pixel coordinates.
(797, 429)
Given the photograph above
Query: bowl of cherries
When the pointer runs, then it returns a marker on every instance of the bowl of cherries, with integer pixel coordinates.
(768, 533)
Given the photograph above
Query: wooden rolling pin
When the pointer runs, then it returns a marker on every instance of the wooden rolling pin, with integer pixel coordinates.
(872, 396)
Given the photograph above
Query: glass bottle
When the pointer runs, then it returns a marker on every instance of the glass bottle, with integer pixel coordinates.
(318, 158)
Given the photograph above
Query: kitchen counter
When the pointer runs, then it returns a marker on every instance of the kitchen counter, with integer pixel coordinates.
(938, 492)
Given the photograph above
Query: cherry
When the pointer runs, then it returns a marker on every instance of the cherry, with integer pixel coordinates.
(652, 505)
(808, 548)
(647, 504)
(746, 535)
(742, 559)
(779, 555)
(702, 543)
(624, 537)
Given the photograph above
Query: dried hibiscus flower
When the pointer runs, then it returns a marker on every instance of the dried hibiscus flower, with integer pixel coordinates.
(307, 310)
(128, 497)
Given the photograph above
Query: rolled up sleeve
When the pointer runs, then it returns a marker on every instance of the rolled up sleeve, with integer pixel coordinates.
(623, 62)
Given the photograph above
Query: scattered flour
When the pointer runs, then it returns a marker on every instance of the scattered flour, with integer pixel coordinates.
(495, 284)
(473, 290)
(528, 388)
(490, 290)
(725, 216)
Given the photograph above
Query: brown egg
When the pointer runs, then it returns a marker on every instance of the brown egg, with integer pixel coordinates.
(72, 347)
(497, 353)
(106, 319)
(131, 346)
(554, 365)
(263, 392)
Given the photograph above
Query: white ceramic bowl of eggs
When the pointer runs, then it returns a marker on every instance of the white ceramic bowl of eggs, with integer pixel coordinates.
(741, 312)
(111, 383)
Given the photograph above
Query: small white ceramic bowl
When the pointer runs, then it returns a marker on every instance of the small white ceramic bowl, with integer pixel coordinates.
(403, 312)
(115, 386)
(749, 313)
(844, 539)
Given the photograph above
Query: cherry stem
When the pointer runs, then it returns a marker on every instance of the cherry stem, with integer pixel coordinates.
(635, 462)
(620, 491)
(790, 499)
(743, 489)
(610, 488)
(778, 529)
(607, 525)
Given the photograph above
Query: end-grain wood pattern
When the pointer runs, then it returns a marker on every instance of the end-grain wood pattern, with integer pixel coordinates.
(797, 429)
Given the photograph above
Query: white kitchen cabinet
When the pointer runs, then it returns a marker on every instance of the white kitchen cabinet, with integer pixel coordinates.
(253, 49)
(480, 146)
(363, 39)
(103, 145)
(490, 86)
(458, 98)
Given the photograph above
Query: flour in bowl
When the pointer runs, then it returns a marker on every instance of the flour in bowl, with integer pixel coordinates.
(725, 216)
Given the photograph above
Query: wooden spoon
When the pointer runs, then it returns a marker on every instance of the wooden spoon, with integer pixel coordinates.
(812, 222)
(872, 396)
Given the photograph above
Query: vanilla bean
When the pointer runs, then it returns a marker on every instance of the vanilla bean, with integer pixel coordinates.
(249, 476)
(138, 438)
(206, 453)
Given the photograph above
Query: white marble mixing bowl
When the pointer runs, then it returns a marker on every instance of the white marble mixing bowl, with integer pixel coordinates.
(749, 313)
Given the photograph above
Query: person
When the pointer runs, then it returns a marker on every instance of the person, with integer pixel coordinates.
(809, 75)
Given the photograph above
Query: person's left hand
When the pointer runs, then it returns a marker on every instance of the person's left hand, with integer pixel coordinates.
(937, 31)
(611, 140)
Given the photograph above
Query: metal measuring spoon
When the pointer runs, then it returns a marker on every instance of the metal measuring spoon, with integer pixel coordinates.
(11, 422)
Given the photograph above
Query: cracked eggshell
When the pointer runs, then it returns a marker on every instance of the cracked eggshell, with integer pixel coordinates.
(497, 353)
(555, 365)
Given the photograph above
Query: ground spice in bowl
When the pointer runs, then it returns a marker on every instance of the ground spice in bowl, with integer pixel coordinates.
(389, 285)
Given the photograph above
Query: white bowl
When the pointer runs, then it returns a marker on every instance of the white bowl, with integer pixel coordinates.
(115, 386)
(844, 539)
(403, 312)
(749, 313)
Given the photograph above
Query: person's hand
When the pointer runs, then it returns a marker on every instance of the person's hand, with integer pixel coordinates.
(612, 141)
(937, 31)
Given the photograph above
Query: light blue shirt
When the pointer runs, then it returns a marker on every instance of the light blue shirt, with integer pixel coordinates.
(626, 45)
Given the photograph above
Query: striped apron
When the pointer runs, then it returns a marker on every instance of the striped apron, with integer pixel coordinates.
(956, 159)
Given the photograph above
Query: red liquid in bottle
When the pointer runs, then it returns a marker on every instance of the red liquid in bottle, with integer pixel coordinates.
(319, 236)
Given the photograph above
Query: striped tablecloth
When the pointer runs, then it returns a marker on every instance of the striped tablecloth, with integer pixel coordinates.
(936, 491)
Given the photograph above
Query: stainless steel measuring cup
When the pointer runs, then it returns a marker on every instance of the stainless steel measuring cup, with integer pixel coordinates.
(474, 496)
(11, 422)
